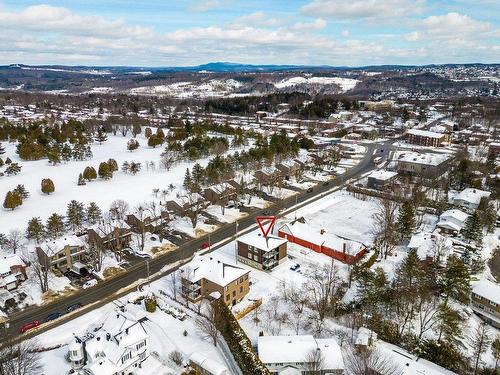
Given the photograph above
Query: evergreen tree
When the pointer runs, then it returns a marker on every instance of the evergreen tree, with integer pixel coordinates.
(132, 145)
(136, 130)
(21, 190)
(406, 220)
(78, 152)
(147, 132)
(81, 180)
(135, 167)
(66, 152)
(160, 134)
(75, 214)
(113, 165)
(104, 171)
(101, 136)
(54, 154)
(55, 226)
(188, 183)
(89, 173)
(88, 153)
(12, 169)
(94, 213)
(455, 280)
(480, 343)
(47, 186)
(154, 141)
(126, 167)
(448, 326)
(473, 230)
(489, 218)
(35, 230)
(12, 200)
(198, 173)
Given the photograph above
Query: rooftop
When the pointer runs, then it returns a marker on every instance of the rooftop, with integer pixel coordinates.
(488, 289)
(256, 239)
(424, 133)
(211, 267)
(427, 158)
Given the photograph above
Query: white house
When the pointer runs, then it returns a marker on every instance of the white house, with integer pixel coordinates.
(452, 221)
(291, 355)
(12, 272)
(431, 247)
(118, 347)
(470, 198)
(206, 365)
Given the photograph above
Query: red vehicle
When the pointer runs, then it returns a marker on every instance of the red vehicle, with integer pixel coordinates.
(27, 326)
(205, 245)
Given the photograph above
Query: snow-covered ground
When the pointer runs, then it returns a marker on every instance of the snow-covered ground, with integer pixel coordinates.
(345, 84)
(211, 88)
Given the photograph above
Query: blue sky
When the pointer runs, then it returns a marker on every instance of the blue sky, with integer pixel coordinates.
(305, 32)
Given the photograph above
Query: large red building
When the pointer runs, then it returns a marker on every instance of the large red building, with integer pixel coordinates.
(344, 250)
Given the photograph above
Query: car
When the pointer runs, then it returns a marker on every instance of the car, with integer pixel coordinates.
(74, 307)
(128, 251)
(30, 325)
(295, 267)
(310, 190)
(53, 316)
(326, 183)
(89, 284)
(143, 255)
(205, 245)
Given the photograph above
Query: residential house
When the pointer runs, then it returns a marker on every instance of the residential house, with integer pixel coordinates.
(322, 241)
(209, 275)
(426, 138)
(220, 194)
(62, 254)
(470, 198)
(207, 366)
(288, 168)
(452, 221)
(145, 221)
(382, 179)
(184, 203)
(431, 247)
(268, 176)
(113, 235)
(485, 301)
(366, 339)
(293, 354)
(118, 347)
(428, 165)
(263, 253)
(12, 272)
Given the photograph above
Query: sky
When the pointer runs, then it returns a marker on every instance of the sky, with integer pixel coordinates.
(300, 32)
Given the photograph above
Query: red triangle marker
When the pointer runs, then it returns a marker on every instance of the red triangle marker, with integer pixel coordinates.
(261, 221)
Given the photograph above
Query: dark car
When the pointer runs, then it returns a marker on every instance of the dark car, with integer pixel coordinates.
(74, 307)
(30, 325)
(53, 316)
(295, 267)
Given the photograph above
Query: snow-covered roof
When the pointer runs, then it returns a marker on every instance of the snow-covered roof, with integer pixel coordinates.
(295, 349)
(51, 247)
(103, 229)
(208, 364)
(452, 219)
(424, 133)
(221, 188)
(426, 245)
(383, 175)
(7, 262)
(427, 158)
(322, 237)
(364, 336)
(471, 195)
(488, 290)
(213, 268)
(257, 239)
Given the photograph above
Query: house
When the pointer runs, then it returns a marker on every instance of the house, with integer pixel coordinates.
(112, 235)
(428, 165)
(12, 272)
(485, 301)
(143, 221)
(426, 138)
(62, 254)
(452, 221)
(366, 339)
(288, 168)
(294, 354)
(209, 274)
(268, 176)
(206, 365)
(322, 241)
(185, 203)
(220, 194)
(118, 347)
(381, 179)
(431, 247)
(470, 198)
(263, 253)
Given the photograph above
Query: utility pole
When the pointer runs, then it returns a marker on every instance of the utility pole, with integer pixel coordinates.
(236, 243)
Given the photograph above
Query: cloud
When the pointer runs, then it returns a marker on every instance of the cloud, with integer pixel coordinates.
(363, 9)
(317, 24)
(206, 5)
(255, 19)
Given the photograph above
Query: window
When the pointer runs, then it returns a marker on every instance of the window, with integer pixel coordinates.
(227, 297)
(234, 293)
(140, 345)
(246, 276)
(126, 357)
(241, 289)
(226, 288)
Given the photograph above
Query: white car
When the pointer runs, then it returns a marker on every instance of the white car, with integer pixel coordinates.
(89, 284)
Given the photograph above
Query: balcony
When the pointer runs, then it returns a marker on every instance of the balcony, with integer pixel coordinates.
(269, 254)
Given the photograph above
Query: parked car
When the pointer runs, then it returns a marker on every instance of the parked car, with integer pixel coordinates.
(53, 316)
(74, 307)
(143, 255)
(205, 245)
(89, 284)
(310, 190)
(30, 325)
(295, 267)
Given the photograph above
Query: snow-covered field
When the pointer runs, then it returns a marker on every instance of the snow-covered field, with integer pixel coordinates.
(345, 84)
(211, 88)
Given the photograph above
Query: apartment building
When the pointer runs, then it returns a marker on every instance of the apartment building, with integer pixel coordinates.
(263, 253)
(485, 301)
(426, 138)
(62, 254)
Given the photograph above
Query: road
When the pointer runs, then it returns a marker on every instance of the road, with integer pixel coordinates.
(101, 293)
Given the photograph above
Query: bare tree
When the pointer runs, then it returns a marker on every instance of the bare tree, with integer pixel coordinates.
(207, 323)
(427, 310)
(95, 255)
(314, 362)
(119, 209)
(480, 343)
(322, 287)
(384, 227)
(370, 362)
(15, 241)
(21, 359)
(169, 159)
(41, 268)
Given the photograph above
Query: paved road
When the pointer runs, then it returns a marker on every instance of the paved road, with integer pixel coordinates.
(107, 288)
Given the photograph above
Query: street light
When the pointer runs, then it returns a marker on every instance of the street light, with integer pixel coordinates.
(236, 243)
